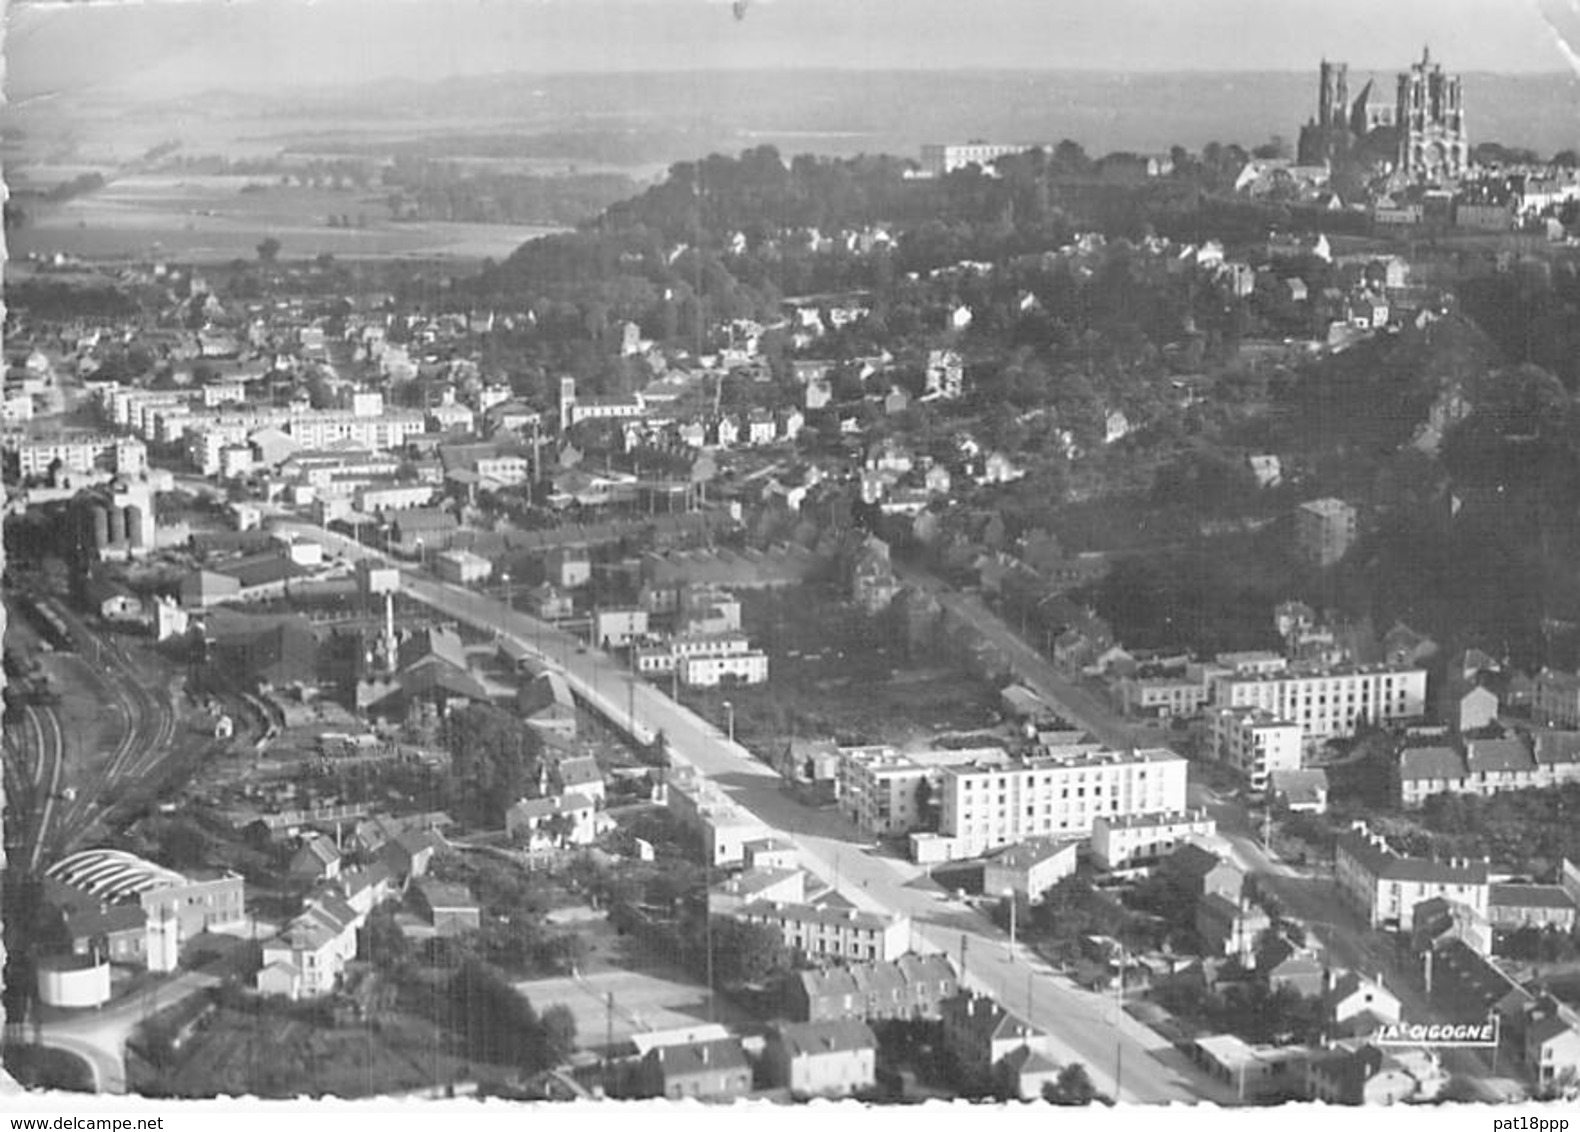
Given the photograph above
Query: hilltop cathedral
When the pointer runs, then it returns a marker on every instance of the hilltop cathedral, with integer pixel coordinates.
(1420, 137)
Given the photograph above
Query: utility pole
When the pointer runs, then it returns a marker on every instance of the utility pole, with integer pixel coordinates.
(608, 1039)
(963, 941)
(707, 928)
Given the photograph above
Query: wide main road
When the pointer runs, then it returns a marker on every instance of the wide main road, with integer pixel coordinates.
(1084, 1027)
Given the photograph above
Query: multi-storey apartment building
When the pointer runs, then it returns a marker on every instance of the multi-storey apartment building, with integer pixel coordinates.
(877, 786)
(1324, 531)
(1329, 703)
(1255, 744)
(1385, 886)
(983, 807)
(878, 789)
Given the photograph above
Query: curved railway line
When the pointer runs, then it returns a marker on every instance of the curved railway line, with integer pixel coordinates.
(64, 804)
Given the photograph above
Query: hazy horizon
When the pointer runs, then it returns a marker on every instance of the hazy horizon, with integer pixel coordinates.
(179, 48)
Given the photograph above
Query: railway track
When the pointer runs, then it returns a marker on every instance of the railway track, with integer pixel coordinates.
(148, 725)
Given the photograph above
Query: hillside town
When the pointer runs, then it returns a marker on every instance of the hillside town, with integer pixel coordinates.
(1004, 625)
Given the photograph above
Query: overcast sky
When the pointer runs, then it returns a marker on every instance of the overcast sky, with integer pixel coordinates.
(171, 46)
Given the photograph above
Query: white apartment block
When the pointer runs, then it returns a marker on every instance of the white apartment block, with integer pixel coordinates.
(1328, 704)
(877, 789)
(1142, 840)
(78, 453)
(937, 160)
(321, 429)
(984, 807)
(711, 670)
(834, 933)
(1255, 744)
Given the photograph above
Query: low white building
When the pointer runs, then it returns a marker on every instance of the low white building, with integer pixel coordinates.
(463, 567)
(1138, 840)
(833, 933)
(711, 670)
(564, 819)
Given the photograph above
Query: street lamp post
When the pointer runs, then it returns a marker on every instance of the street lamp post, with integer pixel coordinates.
(1009, 893)
(729, 719)
(504, 583)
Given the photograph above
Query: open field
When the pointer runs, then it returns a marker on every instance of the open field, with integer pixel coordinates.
(642, 1003)
(210, 218)
(275, 1055)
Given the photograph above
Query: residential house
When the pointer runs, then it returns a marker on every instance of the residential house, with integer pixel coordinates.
(409, 853)
(754, 885)
(1492, 765)
(831, 932)
(1029, 868)
(1557, 699)
(546, 705)
(317, 859)
(1385, 886)
(1365, 1074)
(1551, 1043)
(1425, 771)
(1404, 647)
(1355, 1004)
(715, 1070)
(836, 1058)
(1437, 920)
(912, 986)
(980, 1035)
(1514, 906)
(1129, 841)
(1300, 791)
(308, 957)
(1296, 969)
(579, 775)
(556, 821)
(1227, 928)
(449, 908)
(1201, 872)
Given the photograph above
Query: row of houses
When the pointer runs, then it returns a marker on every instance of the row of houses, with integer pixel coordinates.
(1484, 766)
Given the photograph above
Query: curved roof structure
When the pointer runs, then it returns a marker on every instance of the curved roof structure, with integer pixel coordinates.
(110, 875)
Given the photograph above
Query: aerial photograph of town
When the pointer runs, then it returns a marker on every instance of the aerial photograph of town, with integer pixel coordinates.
(770, 550)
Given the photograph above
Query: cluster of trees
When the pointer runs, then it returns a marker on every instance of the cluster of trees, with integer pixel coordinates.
(1494, 153)
(495, 761)
(1250, 1010)
(498, 1025)
(1070, 911)
(1534, 830)
(440, 190)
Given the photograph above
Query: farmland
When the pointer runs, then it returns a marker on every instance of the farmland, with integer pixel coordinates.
(211, 218)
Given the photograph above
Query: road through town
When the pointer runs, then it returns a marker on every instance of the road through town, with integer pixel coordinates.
(1081, 1023)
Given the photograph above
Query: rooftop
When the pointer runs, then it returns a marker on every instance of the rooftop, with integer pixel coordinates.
(1376, 857)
